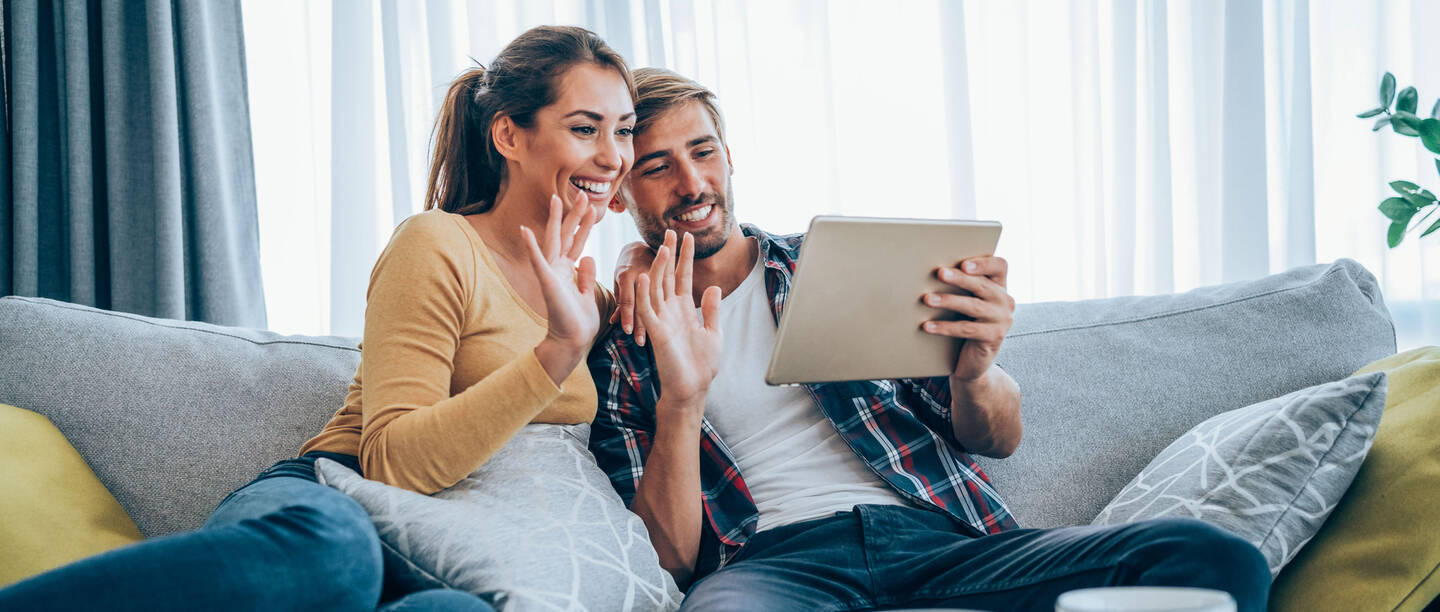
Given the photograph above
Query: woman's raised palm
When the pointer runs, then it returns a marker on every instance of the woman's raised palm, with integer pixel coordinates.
(569, 294)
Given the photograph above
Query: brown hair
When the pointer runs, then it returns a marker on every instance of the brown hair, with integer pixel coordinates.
(658, 90)
(465, 168)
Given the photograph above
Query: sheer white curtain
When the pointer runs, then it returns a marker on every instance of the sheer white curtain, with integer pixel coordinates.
(1129, 146)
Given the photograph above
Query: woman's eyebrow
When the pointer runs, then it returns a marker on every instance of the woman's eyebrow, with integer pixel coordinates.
(594, 116)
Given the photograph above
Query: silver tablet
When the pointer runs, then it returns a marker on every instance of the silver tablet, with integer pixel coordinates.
(854, 310)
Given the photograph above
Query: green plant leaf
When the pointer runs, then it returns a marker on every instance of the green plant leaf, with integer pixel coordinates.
(1404, 187)
(1387, 89)
(1435, 112)
(1433, 227)
(1397, 233)
(1370, 113)
(1419, 200)
(1429, 132)
(1397, 209)
(1382, 122)
(1437, 165)
(1409, 99)
(1405, 123)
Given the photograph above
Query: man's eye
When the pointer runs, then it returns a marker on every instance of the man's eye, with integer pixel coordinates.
(585, 130)
(654, 170)
(705, 153)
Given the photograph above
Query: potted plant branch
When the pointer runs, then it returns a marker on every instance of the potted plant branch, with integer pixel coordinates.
(1412, 198)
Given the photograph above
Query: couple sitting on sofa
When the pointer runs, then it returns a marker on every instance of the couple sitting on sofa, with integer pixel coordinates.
(474, 330)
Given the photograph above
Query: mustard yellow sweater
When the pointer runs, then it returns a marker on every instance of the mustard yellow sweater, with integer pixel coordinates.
(447, 371)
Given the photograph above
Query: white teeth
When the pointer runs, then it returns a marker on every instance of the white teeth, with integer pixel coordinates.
(591, 186)
(695, 215)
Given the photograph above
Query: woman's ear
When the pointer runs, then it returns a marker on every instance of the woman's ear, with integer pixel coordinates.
(617, 203)
(505, 135)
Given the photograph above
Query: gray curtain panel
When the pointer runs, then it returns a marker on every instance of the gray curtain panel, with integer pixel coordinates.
(128, 176)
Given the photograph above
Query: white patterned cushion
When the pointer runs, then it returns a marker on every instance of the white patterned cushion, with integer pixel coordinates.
(1270, 472)
(538, 527)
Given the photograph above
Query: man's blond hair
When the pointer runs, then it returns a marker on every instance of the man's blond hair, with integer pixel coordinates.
(658, 90)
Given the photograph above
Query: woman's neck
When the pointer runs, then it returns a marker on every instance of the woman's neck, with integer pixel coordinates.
(512, 209)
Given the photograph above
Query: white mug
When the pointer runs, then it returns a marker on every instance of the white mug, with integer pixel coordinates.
(1145, 599)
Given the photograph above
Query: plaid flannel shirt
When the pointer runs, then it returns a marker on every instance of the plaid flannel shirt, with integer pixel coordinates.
(900, 428)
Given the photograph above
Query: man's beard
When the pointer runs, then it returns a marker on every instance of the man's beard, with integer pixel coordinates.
(707, 243)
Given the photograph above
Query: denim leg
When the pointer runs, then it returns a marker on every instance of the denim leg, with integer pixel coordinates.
(813, 566)
(921, 562)
(438, 600)
(279, 543)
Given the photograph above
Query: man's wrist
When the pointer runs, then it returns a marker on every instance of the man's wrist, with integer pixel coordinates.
(971, 387)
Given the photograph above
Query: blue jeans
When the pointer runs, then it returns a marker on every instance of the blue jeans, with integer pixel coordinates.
(282, 542)
(892, 556)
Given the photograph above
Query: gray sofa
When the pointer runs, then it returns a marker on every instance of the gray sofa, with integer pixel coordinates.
(173, 415)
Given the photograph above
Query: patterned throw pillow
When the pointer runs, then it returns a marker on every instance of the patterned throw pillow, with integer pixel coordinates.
(1270, 472)
(538, 527)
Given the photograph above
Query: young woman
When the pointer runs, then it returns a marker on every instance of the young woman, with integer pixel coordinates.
(476, 318)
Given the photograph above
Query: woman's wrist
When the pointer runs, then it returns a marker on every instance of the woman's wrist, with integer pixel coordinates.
(558, 358)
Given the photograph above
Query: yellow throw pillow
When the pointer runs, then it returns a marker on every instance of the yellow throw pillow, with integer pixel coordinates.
(53, 510)
(1380, 549)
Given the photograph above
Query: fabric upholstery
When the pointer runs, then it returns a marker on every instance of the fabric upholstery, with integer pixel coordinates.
(171, 415)
(1270, 472)
(1107, 384)
(53, 510)
(537, 527)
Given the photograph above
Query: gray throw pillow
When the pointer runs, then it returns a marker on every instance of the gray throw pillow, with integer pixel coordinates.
(538, 527)
(1270, 472)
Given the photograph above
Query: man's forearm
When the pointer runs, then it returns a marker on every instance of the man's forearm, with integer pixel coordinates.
(985, 413)
(668, 496)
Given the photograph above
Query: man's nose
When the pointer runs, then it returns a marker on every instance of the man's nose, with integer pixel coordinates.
(692, 184)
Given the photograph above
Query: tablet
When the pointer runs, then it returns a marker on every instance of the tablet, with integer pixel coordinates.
(854, 310)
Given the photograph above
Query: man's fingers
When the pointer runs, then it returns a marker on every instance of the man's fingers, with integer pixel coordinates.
(658, 270)
(643, 309)
(685, 269)
(988, 333)
(980, 286)
(585, 277)
(625, 301)
(710, 308)
(969, 306)
(994, 268)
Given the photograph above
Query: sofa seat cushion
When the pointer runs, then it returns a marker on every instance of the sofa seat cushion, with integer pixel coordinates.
(53, 510)
(1380, 550)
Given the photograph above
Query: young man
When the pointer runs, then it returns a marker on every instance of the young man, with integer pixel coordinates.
(828, 496)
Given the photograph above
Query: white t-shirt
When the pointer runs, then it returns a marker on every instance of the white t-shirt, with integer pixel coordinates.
(793, 460)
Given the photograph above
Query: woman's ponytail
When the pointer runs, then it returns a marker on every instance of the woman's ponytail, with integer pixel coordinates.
(458, 165)
(465, 168)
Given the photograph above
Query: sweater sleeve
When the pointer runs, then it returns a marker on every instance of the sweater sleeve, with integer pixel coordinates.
(415, 434)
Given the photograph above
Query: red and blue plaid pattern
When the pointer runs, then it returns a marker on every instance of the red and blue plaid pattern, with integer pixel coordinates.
(900, 428)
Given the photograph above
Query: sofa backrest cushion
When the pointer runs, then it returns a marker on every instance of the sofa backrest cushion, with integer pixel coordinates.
(1107, 384)
(170, 415)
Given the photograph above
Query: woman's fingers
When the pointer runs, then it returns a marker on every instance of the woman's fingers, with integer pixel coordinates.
(552, 228)
(582, 233)
(537, 257)
(685, 269)
(568, 224)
